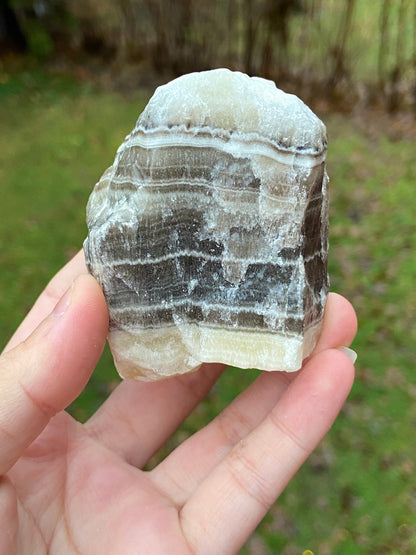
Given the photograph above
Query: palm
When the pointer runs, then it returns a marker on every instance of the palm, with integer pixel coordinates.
(79, 488)
(76, 494)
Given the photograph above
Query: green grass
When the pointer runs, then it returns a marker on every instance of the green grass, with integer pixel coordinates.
(357, 493)
(57, 138)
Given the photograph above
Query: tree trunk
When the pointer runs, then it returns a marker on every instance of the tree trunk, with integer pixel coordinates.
(161, 54)
(414, 57)
(340, 66)
(397, 72)
(383, 44)
(11, 35)
(249, 37)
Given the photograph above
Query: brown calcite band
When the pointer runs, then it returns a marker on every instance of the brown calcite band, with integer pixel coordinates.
(209, 233)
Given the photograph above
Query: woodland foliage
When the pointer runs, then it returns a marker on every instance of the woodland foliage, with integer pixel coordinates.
(358, 50)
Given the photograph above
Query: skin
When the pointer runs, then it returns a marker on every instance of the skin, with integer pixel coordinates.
(72, 488)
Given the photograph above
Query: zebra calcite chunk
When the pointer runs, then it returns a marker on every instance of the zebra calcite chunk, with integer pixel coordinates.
(208, 234)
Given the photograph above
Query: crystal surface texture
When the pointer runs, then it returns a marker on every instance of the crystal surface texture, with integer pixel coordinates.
(209, 233)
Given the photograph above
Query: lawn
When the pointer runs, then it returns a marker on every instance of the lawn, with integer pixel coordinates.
(357, 493)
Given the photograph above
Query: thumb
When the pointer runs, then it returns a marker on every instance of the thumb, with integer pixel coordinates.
(45, 373)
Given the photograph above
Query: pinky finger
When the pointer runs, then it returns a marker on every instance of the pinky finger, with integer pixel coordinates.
(233, 499)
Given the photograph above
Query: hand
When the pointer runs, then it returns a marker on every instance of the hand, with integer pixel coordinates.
(70, 488)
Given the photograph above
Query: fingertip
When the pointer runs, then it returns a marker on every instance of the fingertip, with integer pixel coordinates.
(88, 292)
(90, 308)
(339, 325)
(349, 316)
(336, 368)
(79, 334)
(351, 354)
(344, 363)
(55, 362)
(342, 306)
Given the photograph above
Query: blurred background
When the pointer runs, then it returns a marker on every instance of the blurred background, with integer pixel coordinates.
(74, 76)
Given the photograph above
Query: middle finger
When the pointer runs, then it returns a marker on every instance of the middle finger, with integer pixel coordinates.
(139, 417)
(182, 471)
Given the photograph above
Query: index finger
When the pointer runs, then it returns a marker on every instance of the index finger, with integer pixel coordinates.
(48, 298)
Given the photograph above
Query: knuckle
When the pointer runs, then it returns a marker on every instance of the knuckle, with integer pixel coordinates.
(192, 385)
(45, 409)
(279, 424)
(233, 425)
(246, 474)
(53, 292)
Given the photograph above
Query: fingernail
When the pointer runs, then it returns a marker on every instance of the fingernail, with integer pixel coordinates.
(63, 303)
(352, 355)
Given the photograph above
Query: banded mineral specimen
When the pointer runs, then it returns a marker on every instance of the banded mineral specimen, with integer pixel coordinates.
(209, 233)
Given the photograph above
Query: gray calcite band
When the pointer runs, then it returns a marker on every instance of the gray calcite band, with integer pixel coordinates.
(209, 233)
